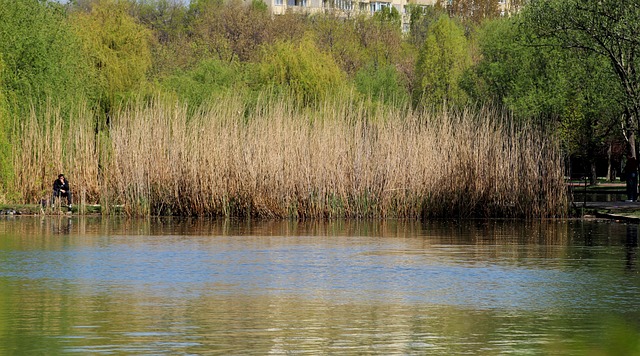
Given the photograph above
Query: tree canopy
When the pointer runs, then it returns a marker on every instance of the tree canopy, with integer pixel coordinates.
(442, 61)
(607, 28)
(118, 47)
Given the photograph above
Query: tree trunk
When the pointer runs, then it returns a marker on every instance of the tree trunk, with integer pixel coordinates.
(610, 175)
(593, 177)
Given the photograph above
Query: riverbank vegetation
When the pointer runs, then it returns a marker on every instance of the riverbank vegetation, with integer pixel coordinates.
(219, 108)
(340, 160)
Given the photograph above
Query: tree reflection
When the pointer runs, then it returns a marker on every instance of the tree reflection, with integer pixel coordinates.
(631, 246)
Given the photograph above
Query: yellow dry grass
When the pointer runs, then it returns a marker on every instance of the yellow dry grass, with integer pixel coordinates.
(341, 160)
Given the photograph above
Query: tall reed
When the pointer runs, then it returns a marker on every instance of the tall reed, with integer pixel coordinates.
(50, 144)
(341, 160)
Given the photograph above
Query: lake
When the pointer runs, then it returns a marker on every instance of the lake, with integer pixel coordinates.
(83, 285)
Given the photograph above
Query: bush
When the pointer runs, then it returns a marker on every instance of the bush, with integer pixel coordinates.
(196, 87)
(310, 74)
(382, 84)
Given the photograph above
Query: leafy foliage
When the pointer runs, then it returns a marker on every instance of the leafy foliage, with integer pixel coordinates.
(380, 37)
(571, 90)
(514, 72)
(40, 54)
(382, 84)
(442, 61)
(420, 19)
(118, 47)
(232, 31)
(197, 86)
(308, 73)
(169, 21)
(567, 65)
(339, 38)
(605, 28)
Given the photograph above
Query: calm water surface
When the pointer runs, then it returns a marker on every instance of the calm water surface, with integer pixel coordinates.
(195, 287)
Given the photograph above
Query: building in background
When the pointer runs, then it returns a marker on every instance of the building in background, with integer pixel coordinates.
(351, 8)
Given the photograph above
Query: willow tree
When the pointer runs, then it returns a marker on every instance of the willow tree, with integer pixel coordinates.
(442, 61)
(606, 28)
(118, 48)
(301, 69)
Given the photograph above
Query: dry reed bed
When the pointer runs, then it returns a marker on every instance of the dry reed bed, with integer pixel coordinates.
(339, 161)
(50, 145)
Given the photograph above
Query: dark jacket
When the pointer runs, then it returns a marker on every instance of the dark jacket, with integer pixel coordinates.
(57, 185)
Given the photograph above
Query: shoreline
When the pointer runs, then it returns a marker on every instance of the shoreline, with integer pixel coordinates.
(616, 211)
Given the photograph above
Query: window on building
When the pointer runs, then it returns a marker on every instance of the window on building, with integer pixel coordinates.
(377, 6)
(345, 5)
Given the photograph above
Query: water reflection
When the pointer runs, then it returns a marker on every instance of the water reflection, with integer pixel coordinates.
(188, 286)
(60, 225)
(631, 246)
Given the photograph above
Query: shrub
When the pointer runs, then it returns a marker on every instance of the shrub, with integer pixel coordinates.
(383, 84)
(197, 86)
(308, 73)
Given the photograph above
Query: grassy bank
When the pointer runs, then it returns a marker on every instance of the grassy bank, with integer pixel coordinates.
(341, 160)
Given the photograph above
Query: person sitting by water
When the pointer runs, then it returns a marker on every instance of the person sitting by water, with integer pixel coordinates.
(61, 189)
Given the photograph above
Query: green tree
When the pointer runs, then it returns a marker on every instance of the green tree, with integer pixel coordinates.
(420, 19)
(338, 36)
(169, 20)
(302, 69)
(607, 28)
(210, 77)
(441, 63)
(514, 71)
(166, 18)
(118, 48)
(572, 91)
(380, 37)
(382, 84)
(590, 109)
(233, 30)
(41, 55)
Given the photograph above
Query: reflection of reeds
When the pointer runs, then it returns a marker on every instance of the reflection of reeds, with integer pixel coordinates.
(340, 161)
